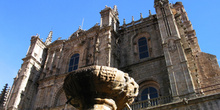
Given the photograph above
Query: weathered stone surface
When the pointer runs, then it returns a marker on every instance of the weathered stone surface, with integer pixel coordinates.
(209, 102)
(208, 73)
(95, 87)
(175, 66)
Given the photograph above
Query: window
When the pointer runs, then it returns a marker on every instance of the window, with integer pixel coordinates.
(151, 91)
(74, 61)
(143, 49)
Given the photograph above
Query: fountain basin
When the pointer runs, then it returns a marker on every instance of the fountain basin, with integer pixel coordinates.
(100, 88)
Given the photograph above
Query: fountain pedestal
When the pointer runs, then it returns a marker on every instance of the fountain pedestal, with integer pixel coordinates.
(100, 88)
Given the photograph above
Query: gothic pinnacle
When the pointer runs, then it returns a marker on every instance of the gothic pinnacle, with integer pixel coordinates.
(49, 38)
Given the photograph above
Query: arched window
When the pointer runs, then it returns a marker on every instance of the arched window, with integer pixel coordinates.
(149, 93)
(74, 61)
(143, 49)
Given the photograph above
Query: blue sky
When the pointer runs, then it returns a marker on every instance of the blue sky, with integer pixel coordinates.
(20, 19)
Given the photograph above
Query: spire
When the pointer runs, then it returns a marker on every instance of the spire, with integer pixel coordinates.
(49, 38)
(3, 95)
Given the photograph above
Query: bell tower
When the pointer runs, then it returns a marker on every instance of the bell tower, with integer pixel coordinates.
(25, 83)
(105, 47)
(109, 17)
(179, 74)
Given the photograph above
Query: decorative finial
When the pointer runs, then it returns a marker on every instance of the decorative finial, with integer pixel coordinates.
(97, 24)
(132, 18)
(150, 13)
(115, 8)
(106, 6)
(141, 15)
(124, 21)
(59, 38)
(79, 28)
(37, 35)
(161, 3)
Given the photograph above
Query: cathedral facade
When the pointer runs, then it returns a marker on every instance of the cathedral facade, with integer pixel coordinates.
(160, 52)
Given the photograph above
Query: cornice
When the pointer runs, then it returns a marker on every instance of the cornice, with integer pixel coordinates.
(31, 57)
(148, 20)
(55, 43)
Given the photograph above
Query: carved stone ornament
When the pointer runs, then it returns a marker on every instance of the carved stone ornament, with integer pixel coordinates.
(172, 46)
(100, 88)
(160, 2)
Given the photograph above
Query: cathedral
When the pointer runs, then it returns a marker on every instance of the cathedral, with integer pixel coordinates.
(161, 52)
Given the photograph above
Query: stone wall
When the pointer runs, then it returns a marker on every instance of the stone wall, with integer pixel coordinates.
(129, 35)
(208, 73)
(150, 71)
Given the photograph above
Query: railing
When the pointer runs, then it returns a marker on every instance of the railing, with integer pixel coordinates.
(150, 103)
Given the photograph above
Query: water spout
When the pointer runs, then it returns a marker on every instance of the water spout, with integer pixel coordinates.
(128, 106)
(65, 108)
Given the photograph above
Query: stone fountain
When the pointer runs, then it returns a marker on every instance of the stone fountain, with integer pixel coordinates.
(100, 88)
